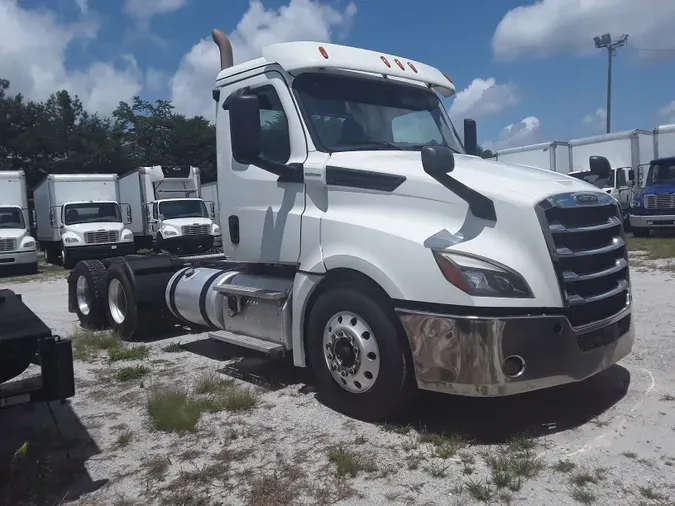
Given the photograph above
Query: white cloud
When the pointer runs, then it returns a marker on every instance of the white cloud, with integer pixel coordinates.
(668, 112)
(33, 44)
(552, 26)
(517, 134)
(83, 5)
(596, 120)
(143, 10)
(299, 20)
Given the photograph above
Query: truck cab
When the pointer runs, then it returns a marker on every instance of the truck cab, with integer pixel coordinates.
(182, 223)
(653, 206)
(18, 251)
(618, 183)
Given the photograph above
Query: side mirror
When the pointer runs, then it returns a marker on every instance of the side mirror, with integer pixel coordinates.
(34, 217)
(213, 211)
(437, 160)
(631, 175)
(600, 166)
(245, 131)
(126, 213)
(470, 137)
(148, 210)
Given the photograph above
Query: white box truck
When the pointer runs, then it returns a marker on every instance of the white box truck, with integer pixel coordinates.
(623, 149)
(210, 195)
(172, 214)
(365, 239)
(554, 155)
(17, 247)
(79, 217)
(664, 142)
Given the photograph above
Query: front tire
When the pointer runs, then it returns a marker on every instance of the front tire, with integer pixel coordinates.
(66, 260)
(87, 288)
(357, 351)
(640, 232)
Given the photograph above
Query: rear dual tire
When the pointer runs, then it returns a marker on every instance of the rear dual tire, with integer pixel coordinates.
(87, 285)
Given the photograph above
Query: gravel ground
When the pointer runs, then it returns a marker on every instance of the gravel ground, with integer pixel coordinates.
(602, 441)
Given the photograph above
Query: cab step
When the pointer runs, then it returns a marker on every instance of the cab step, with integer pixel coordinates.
(251, 343)
(251, 291)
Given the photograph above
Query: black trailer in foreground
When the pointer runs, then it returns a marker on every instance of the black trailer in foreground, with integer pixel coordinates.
(26, 340)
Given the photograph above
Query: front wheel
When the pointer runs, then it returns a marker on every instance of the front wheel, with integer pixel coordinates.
(357, 352)
(640, 232)
(66, 259)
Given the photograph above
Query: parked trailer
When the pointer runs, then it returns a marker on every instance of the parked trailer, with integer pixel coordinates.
(383, 264)
(172, 214)
(623, 149)
(654, 205)
(79, 217)
(664, 141)
(18, 250)
(554, 155)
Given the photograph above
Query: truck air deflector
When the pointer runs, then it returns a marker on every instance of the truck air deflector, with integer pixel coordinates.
(363, 179)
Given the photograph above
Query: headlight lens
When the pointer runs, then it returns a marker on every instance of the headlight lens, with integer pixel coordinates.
(169, 233)
(481, 278)
(635, 203)
(216, 229)
(29, 244)
(71, 240)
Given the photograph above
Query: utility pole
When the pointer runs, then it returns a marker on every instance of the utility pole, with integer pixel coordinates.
(605, 41)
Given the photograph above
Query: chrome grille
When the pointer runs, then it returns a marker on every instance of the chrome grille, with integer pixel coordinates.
(195, 229)
(106, 236)
(588, 249)
(7, 245)
(664, 201)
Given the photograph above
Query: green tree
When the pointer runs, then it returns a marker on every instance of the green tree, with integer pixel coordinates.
(484, 153)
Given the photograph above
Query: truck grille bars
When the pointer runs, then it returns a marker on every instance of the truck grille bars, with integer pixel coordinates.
(663, 202)
(100, 237)
(7, 245)
(195, 229)
(587, 245)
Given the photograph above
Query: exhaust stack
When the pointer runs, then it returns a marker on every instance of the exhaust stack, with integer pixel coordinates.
(225, 48)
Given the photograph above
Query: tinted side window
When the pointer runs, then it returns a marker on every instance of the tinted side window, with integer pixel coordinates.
(276, 142)
(621, 178)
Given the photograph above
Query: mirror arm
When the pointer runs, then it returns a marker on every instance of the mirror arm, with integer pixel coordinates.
(288, 173)
(480, 205)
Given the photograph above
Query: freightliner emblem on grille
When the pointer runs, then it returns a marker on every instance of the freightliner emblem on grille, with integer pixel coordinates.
(586, 198)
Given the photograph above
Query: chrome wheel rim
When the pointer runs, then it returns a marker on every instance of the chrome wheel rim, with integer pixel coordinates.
(117, 301)
(351, 352)
(82, 294)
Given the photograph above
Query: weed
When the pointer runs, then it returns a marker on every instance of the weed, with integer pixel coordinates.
(437, 470)
(156, 468)
(667, 397)
(173, 410)
(583, 478)
(414, 461)
(514, 462)
(650, 493)
(118, 353)
(583, 495)
(480, 490)
(211, 383)
(396, 429)
(123, 440)
(655, 248)
(276, 489)
(467, 469)
(630, 455)
(173, 348)
(444, 446)
(349, 463)
(564, 466)
(131, 373)
(87, 344)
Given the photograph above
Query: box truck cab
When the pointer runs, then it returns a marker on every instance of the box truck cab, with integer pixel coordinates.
(174, 216)
(618, 183)
(653, 206)
(17, 247)
(79, 217)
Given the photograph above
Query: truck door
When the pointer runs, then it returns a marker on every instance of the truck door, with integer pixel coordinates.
(262, 214)
(624, 192)
(642, 175)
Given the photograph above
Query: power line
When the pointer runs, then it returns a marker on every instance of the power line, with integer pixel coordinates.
(655, 49)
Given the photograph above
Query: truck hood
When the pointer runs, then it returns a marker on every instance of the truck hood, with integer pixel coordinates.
(658, 189)
(12, 233)
(492, 178)
(180, 222)
(96, 227)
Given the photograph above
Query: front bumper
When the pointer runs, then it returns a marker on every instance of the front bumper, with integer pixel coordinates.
(91, 251)
(464, 355)
(187, 240)
(652, 220)
(18, 257)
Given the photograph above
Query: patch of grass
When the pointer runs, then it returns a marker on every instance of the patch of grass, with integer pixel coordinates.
(173, 348)
(583, 495)
(655, 248)
(123, 440)
(667, 397)
(119, 353)
(156, 468)
(564, 466)
(650, 493)
(514, 462)
(188, 497)
(396, 429)
(131, 373)
(414, 461)
(276, 489)
(630, 455)
(480, 490)
(211, 383)
(87, 344)
(445, 446)
(349, 463)
(437, 470)
(171, 409)
(584, 478)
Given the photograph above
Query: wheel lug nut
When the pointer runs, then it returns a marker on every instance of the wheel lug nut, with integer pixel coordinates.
(330, 357)
(343, 373)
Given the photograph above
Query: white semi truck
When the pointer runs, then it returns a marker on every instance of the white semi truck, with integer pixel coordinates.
(79, 216)
(367, 241)
(17, 247)
(172, 214)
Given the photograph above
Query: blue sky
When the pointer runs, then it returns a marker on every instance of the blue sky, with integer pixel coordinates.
(526, 70)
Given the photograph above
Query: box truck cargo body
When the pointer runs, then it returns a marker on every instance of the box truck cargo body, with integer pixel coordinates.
(17, 246)
(623, 149)
(79, 217)
(172, 214)
(553, 156)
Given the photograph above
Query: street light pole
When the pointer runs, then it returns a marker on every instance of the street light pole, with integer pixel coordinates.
(605, 41)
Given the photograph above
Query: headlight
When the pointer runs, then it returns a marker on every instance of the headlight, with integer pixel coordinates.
(28, 244)
(170, 233)
(71, 240)
(480, 277)
(216, 229)
(635, 203)
(127, 235)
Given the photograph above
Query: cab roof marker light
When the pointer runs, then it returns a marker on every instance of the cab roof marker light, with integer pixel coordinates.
(412, 67)
(323, 52)
(386, 62)
(398, 62)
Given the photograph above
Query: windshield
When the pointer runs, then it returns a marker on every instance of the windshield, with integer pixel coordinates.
(11, 217)
(595, 180)
(349, 113)
(183, 209)
(663, 172)
(91, 212)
